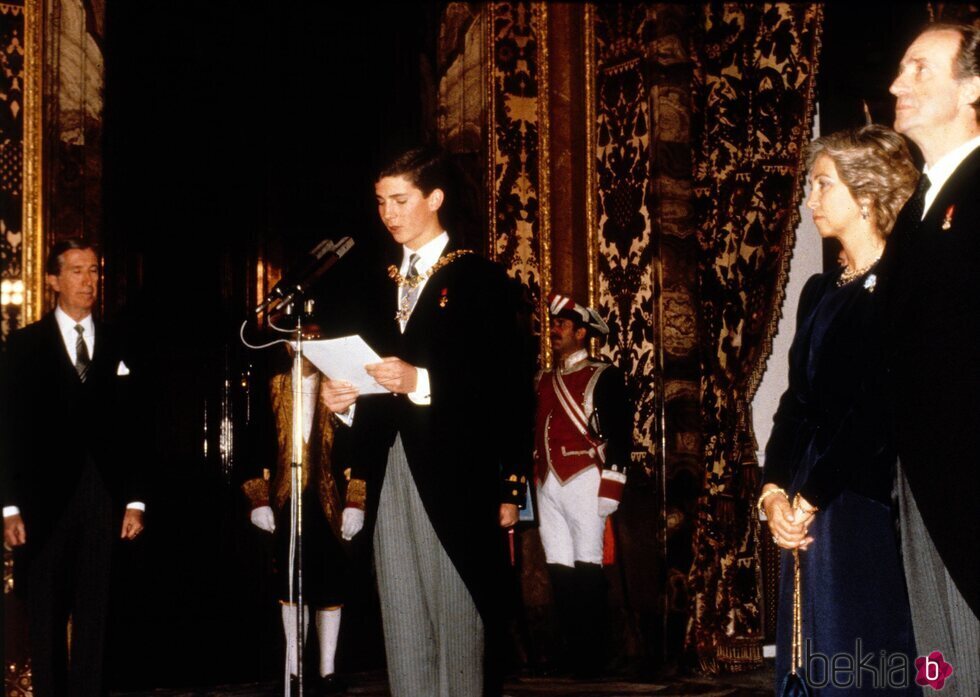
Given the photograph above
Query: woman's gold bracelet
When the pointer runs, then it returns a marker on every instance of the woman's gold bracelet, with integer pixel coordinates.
(767, 494)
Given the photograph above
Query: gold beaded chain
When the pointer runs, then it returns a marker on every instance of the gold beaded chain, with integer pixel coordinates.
(402, 282)
(848, 275)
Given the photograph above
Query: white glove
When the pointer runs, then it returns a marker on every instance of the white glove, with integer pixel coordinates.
(351, 523)
(263, 519)
(607, 506)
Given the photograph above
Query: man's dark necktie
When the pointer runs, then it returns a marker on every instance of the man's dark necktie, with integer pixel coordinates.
(917, 203)
(82, 359)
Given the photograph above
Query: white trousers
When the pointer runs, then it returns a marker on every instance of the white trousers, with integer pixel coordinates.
(571, 527)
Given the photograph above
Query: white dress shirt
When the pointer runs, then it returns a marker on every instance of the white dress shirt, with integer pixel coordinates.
(429, 254)
(66, 325)
(944, 168)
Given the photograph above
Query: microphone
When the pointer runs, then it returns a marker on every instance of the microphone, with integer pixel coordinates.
(307, 271)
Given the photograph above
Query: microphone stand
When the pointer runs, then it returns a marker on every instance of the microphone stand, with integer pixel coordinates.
(295, 563)
(287, 295)
(296, 502)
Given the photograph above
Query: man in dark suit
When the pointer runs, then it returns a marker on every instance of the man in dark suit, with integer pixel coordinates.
(931, 294)
(66, 463)
(445, 455)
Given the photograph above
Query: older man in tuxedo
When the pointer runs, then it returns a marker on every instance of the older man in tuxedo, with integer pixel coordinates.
(66, 462)
(931, 327)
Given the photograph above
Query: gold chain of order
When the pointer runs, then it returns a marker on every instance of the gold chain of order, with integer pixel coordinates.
(402, 282)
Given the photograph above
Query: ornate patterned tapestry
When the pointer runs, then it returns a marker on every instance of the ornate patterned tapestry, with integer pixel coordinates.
(626, 262)
(11, 142)
(490, 75)
(517, 222)
(753, 99)
(646, 265)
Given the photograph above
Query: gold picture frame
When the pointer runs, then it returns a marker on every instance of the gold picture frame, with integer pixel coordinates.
(34, 241)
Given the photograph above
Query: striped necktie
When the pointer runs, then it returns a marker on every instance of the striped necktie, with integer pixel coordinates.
(82, 359)
(410, 292)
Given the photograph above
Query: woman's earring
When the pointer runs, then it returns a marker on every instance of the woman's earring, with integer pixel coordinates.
(864, 212)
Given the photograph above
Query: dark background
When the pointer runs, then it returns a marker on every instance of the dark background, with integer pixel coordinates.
(237, 129)
(233, 129)
(863, 43)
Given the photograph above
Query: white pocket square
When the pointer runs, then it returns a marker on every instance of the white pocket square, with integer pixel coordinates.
(122, 369)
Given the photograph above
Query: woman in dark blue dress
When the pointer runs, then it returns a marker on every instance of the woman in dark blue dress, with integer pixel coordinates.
(837, 511)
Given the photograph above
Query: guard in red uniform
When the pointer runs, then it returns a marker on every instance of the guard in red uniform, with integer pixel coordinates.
(583, 436)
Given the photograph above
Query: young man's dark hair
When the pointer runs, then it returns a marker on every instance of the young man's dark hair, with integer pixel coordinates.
(426, 167)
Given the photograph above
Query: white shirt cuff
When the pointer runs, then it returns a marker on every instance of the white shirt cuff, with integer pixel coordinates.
(347, 417)
(422, 393)
(9, 511)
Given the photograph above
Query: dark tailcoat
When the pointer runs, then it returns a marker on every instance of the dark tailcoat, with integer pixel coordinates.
(931, 325)
(56, 423)
(469, 447)
(70, 463)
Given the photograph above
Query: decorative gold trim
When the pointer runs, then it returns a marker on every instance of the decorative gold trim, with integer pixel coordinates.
(415, 282)
(591, 183)
(357, 493)
(539, 17)
(34, 239)
(792, 221)
(490, 66)
(8, 570)
(257, 491)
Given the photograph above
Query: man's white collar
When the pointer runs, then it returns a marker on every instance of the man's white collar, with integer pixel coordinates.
(429, 253)
(945, 166)
(67, 325)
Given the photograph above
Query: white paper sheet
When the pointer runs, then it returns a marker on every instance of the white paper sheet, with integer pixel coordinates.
(344, 359)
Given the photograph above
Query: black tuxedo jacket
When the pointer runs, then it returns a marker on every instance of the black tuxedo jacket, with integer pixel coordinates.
(55, 423)
(931, 330)
(472, 445)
